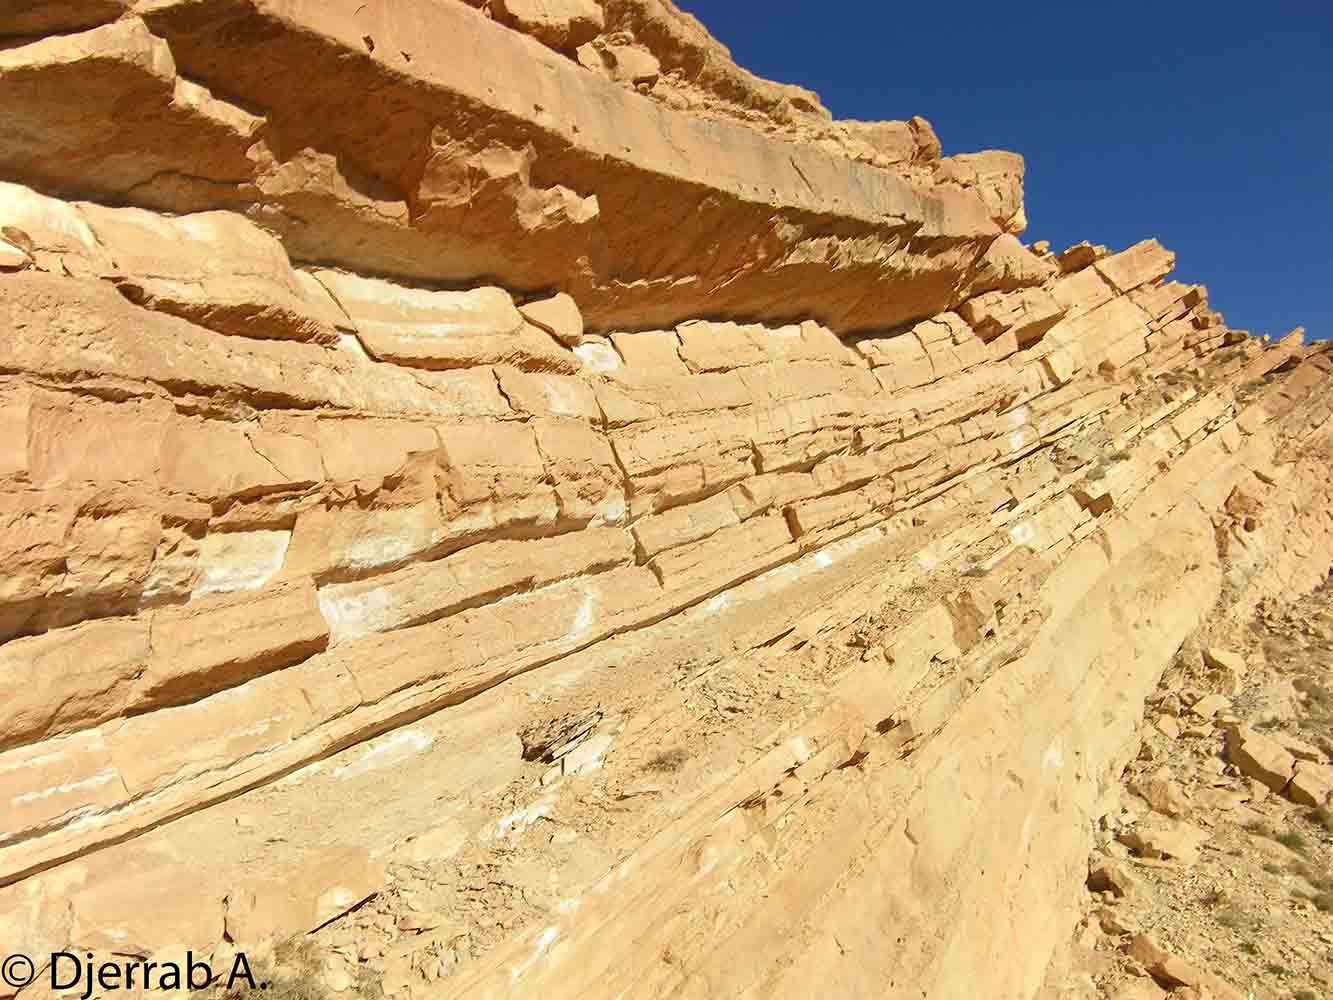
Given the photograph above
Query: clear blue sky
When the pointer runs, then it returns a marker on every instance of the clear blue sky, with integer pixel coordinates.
(1207, 125)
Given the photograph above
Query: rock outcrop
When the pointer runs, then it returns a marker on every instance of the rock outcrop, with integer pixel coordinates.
(442, 439)
(1247, 913)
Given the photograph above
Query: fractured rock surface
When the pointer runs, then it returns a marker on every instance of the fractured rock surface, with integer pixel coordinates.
(1252, 915)
(545, 512)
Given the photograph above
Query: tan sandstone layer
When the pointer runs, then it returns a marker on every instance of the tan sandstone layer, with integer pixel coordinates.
(424, 140)
(365, 541)
(1213, 874)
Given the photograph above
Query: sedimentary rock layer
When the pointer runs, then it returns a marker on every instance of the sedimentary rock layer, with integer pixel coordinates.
(399, 408)
(423, 140)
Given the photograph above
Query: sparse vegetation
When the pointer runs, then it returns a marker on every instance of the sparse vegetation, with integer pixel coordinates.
(1318, 699)
(1322, 817)
(291, 975)
(1264, 931)
(1232, 919)
(1250, 389)
(1321, 881)
(368, 985)
(1293, 840)
(301, 987)
(1192, 379)
(668, 761)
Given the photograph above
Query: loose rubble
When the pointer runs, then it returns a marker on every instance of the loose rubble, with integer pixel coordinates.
(1254, 917)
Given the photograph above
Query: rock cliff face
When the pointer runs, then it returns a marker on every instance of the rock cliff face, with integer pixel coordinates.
(514, 466)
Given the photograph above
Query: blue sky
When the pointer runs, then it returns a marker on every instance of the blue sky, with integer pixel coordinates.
(1207, 125)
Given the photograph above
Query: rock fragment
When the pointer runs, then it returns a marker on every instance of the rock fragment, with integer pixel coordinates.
(1210, 705)
(559, 316)
(1229, 665)
(1259, 757)
(1110, 876)
(1159, 838)
(1161, 791)
(1311, 784)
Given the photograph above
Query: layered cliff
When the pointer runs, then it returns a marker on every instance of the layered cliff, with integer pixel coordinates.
(513, 466)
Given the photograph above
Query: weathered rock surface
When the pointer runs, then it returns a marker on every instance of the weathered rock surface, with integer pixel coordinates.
(1259, 757)
(569, 186)
(542, 379)
(1251, 918)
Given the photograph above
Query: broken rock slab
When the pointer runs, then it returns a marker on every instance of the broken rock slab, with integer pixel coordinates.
(1168, 726)
(1229, 663)
(1299, 748)
(1311, 784)
(1160, 838)
(12, 258)
(1163, 793)
(420, 328)
(216, 269)
(559, 316)
(1259, 757)
(1175, 973)
(563, 25)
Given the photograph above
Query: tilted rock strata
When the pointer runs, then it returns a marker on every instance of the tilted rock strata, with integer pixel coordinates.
(568, 186)
(322, 461)
(656, 49)
(300, 530)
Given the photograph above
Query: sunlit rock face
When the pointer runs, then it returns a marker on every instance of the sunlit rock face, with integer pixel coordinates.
(503, 491)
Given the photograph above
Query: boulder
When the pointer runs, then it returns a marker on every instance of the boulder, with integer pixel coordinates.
(1175, 973)
(1110, 876)
(1116, 920)
(1259, 757)
(1162, 793)
(1160, 838)
(1311, 784)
